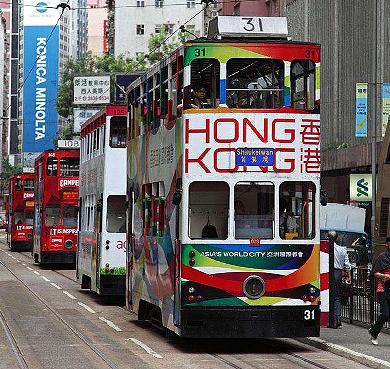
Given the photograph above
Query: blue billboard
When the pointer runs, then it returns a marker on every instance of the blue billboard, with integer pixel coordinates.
(40, 70)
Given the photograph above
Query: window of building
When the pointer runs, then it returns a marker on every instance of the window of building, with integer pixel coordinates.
(168, 27)
(140, 3)
(53, 215)
(255, 83)
(297, 210)
(208, 210)
(29, 185)
(190, 4)
(52, 164)
(69, 167)
(118, 132)
(139, 54)
(303, 84)
(157, 28)
(254, 210)
(116, 214)
(70, 216)
(159, 3)
(140, 29)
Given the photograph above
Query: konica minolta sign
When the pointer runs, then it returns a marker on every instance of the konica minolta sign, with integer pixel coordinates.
(40, 71)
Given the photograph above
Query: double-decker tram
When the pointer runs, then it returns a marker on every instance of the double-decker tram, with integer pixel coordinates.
(223, 185)
(21, 212)
(56, 206)
(101, 254)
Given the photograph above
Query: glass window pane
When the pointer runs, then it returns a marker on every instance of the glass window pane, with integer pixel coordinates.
(69, 167)
(116, 214)
(208, 210)
(29, 185)
(29, 217)
(18, 217)
(70, 216)
(303, 84)
(254, 210)
(255, 83)
(53, 215)
(52, 166)
(118, 131)
(19, 184)
(297, 210)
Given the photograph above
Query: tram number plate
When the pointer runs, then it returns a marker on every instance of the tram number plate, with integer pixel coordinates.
(308, 317)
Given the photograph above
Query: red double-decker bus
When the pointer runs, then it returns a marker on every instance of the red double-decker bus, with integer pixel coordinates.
(56, 206)
(21, 212)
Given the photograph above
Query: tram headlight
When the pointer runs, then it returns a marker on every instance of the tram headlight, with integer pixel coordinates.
(29, 236)
(253, 287)
(69, 244)
(312, 290)
(191, 290)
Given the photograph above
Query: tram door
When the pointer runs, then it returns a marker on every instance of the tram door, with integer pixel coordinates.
(130, 246)
(99, 212)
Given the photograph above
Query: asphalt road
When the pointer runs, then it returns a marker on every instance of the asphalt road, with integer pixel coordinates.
(47, 321)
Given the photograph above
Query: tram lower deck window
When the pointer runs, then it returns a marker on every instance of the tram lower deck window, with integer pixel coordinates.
(297, 210)
(116, 214)
(254, 210)
(208, 210)
(53, 215)
(69, 218)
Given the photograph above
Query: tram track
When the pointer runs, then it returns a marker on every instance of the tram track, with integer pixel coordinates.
(19, 354)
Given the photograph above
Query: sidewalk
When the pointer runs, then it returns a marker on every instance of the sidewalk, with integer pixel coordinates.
(353, 342)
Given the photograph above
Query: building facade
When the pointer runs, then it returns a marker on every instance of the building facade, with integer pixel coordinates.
(133, 26)
(265, 8)
(97, 19)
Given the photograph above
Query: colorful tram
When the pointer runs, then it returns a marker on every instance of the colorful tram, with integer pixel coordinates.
(223, 215)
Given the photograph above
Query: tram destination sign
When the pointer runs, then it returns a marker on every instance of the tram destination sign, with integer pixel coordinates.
(255, 157)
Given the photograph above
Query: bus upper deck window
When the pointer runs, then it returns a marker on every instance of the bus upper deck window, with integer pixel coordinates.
(255, 83)
(303, 84)
(118, 132)
(52, 164)
(297, 210)
(254, 210)
(69, 167)
(29, 185)
(208, 210)
(205, 74)
(19, 184)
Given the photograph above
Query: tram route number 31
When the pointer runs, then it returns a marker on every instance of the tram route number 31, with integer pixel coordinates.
(308, 317)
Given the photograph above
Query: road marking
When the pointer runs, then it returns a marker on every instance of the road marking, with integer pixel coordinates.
(54, 285)
(45, 279)
(30, 268)
(110, 323)
(18, 260)
(146, 348)
(24, 264)
(69, 295)
(13, 257)
(86, 307)
(37, 273)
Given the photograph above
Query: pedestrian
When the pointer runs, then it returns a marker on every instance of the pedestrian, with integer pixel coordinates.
(341, 263)
(381, 271)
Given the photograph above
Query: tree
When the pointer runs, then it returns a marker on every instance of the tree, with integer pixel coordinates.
(9, 170)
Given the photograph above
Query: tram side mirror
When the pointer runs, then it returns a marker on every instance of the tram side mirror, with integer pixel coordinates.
(176, 199)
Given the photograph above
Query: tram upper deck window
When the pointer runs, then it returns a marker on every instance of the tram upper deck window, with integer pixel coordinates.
(208, 210)
(116, 214)
(204, 74)
(255, 83)
(303, 84)
(69, 167)
(254, 210)
(29, 185)
(118, 132)
(297, 210)
(51, 169)
(53, 215)
(19, 184)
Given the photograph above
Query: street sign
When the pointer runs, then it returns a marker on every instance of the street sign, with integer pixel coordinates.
(68, 144)
(89, 90)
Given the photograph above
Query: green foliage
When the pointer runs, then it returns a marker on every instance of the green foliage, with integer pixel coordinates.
(9, 170)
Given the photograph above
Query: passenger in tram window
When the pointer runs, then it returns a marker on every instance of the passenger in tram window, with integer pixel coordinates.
(199, 101)
(287, 221)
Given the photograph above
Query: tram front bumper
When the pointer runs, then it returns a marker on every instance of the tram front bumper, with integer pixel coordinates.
(253, 322)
